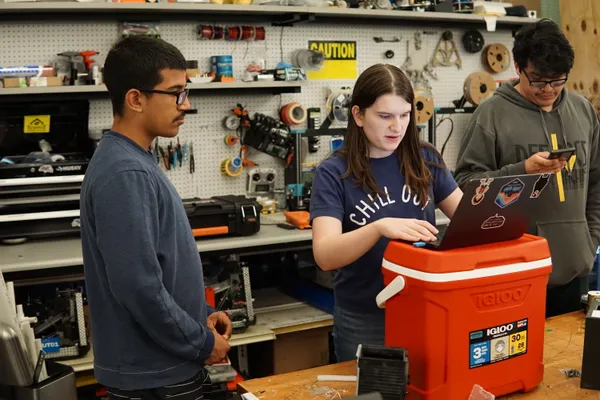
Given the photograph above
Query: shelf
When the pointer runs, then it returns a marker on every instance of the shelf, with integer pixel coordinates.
(426, 17)
(93, 91)
(191, 11)
(66, 252)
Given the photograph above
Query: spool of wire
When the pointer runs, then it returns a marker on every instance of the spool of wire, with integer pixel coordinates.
(232, 166)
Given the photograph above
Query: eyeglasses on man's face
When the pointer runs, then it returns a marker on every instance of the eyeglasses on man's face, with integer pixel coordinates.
(540, 84)
(181, 96)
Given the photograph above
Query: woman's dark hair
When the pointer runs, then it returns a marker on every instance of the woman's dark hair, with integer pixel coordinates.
(376, 81)
(546, 47)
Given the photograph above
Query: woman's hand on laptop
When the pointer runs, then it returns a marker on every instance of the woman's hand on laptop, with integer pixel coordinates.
(413, 230)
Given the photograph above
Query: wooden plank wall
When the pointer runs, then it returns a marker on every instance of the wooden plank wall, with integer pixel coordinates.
(580, 21)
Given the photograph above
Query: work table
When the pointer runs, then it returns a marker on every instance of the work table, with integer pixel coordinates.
(563, 347)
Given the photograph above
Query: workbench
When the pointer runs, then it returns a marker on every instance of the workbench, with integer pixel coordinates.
(563, 347)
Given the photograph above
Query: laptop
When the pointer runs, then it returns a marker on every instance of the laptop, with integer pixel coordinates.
(491, 210)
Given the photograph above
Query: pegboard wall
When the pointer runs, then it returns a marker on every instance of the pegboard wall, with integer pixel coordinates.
(38, 43)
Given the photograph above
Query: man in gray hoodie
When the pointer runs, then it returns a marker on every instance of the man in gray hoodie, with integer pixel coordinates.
(513, 132)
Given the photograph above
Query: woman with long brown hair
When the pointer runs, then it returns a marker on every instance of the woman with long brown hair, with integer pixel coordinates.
(383, 184)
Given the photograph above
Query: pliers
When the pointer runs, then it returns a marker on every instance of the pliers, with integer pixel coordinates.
(164, 157)
(192, 162)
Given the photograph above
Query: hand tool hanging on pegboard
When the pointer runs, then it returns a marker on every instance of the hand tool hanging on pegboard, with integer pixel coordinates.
(446, 53)
(496, 58)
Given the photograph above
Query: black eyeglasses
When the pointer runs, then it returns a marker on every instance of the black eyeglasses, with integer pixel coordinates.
(181, 96)
(539, 84)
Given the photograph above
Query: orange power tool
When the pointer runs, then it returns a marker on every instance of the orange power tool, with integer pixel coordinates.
(87, 58)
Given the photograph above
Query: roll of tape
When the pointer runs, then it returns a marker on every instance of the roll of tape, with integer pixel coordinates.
(424, 105)
(231, 140)
(478, 87)
(496, 57)
(293, 113)
(231, 122)
(232, 166)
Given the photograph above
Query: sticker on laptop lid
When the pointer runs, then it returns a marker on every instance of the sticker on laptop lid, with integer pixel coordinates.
(540, 185)
(493, 222)
(509, 193)
(481, 190)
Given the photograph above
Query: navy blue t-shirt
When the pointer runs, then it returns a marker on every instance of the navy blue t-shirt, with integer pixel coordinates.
(356, 285)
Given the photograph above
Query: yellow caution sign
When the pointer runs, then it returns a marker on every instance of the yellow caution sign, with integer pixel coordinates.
(36, 124)
(340, 59)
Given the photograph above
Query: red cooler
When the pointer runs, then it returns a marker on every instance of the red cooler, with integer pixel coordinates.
(468, 316)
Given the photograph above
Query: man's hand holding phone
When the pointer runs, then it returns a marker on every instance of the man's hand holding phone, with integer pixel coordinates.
(539, 163)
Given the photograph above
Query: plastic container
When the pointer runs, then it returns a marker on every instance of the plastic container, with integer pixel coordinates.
(468, 316)
(222, 67)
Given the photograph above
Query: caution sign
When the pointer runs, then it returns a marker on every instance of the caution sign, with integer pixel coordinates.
(36, 124)
(340, 59)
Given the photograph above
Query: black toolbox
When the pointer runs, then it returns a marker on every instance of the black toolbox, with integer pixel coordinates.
(223, 215)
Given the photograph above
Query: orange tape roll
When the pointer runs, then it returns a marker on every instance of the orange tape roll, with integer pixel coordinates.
(293, 113)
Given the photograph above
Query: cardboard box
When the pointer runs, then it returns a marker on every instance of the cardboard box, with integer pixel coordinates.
(14, 82)
(535, 5)
(193, 73)
(290, 352)
(46, 81)
(301, 350)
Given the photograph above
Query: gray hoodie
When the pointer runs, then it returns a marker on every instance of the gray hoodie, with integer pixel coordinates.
(506, 130)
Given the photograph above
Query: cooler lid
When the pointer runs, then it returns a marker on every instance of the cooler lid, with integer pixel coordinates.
(527, 251)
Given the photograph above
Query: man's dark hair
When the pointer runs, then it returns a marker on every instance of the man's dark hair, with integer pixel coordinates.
(136, 62)
(546, 47)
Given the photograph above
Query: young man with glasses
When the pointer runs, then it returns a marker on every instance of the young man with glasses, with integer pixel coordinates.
(513, 132)
(152, 331)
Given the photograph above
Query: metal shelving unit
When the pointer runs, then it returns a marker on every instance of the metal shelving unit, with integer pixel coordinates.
(92, 91)
(277, 14)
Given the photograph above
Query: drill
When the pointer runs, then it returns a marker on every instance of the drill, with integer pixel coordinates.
(87, 58)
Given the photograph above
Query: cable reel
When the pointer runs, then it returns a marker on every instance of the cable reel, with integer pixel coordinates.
(423, 104)
(338, 106)
(478, 87)
(496, 58)
(473, 41)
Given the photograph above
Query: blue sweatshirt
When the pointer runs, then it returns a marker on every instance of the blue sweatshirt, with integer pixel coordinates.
(143, 272)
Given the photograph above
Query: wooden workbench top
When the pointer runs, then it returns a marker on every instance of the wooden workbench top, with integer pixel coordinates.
(563, 346)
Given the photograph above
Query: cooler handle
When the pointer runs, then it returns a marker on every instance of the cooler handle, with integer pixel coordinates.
(390, 291)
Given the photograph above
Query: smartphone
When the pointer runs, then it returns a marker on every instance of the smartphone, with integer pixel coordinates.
(561, 154)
